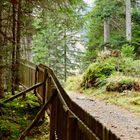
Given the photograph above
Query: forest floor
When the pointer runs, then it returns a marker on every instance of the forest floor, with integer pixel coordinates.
(16, 115)
(121, 120)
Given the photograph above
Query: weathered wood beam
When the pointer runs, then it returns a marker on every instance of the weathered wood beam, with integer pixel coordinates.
(38, 116)
(22, 92)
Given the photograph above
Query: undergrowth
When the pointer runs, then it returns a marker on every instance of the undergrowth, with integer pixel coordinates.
(73, 82)
(114, 79)
(16, 115)
(129, 100)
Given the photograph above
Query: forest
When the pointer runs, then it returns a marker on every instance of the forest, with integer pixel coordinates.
(93, 47)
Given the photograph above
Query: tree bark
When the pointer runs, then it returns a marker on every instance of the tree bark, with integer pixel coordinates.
(65, 56)
(128, 21)
(29, 41)
(29, 47)
(13, 48)
(1, 57)
(106, 29)
(18, 36)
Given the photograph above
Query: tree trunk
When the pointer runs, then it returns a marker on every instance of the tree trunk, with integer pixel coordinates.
(65, 56)
(29, 47)
(13, 48)
(128, 21)
(106, 30)
(29, 41)
(1, 57)
(18, 36)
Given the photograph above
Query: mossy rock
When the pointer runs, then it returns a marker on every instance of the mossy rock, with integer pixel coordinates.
(96, 73)
(122, 83)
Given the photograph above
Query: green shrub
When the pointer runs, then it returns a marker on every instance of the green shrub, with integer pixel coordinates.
(97, 73)
(121, 83)
(135, 68)
(73, 82)
(8, 128)
(128, 51)
(127, 65)
(4, 128)
(130, 67)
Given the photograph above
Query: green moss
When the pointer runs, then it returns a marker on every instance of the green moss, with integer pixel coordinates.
(121, 83)
(16, 115)
(96, 73)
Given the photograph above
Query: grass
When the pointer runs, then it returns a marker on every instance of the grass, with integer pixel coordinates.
(129, 100)
(16, 115)
(73, 83)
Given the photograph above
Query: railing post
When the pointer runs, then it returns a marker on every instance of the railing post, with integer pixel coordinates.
(44, 90)
(53, 116)
(48, 87)
(71, 127)
(44, 86)
(36, 78)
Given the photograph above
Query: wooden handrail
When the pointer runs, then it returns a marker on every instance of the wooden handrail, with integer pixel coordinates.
(22, 92)
(36, 119)
(77, 124)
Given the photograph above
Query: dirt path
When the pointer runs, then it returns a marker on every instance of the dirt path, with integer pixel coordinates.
(124, 124)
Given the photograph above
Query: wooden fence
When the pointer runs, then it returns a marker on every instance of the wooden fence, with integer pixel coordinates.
(68, 121)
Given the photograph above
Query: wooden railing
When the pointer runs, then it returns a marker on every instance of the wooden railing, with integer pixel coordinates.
(68, 121)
